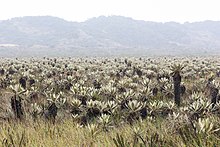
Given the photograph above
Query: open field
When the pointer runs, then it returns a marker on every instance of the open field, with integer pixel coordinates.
(120, 102)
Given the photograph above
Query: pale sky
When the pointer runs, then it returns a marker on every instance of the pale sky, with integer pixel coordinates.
(81, 10)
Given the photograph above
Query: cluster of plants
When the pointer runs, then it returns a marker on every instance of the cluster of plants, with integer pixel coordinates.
(180, 95)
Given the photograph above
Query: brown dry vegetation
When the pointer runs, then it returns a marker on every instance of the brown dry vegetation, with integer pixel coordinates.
(109, 102)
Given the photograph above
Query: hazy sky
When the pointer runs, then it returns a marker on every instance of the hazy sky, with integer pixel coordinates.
(80, 10)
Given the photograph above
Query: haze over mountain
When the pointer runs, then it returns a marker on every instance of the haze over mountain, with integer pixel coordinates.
(106, 36)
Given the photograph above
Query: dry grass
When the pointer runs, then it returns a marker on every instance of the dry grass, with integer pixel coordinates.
(69, 134)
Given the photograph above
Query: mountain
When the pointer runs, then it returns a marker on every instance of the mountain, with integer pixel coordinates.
(106, 36)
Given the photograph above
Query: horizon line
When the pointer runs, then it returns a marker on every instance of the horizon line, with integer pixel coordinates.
(8, 19)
